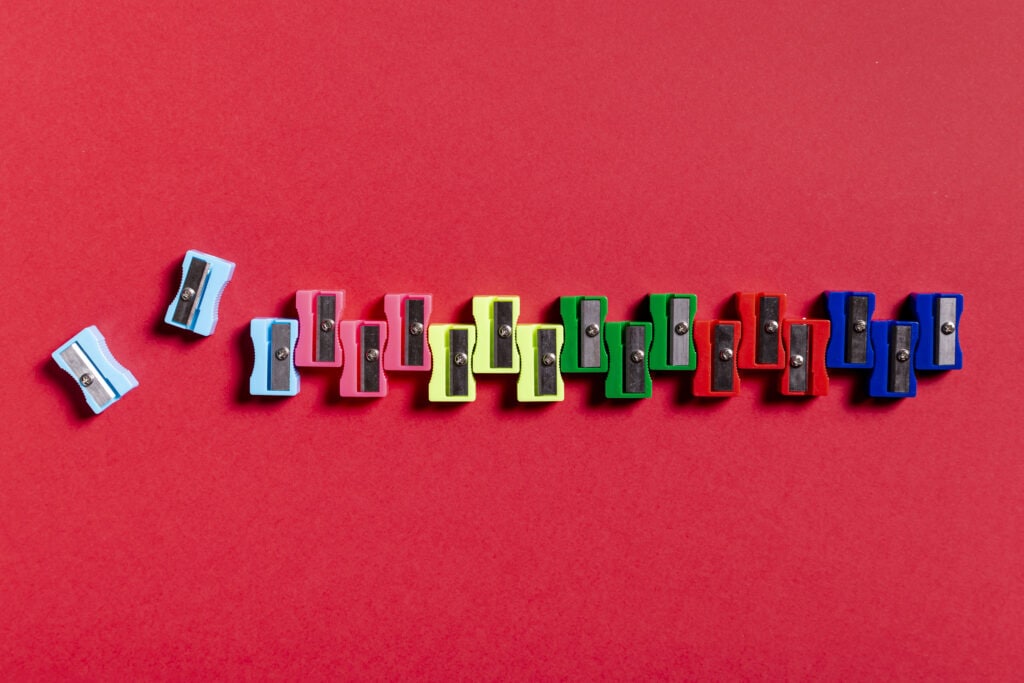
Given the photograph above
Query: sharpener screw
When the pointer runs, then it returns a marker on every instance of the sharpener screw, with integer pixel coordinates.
(416, 329)
(187, 294)
(460, 359)
(85, 379)
(372, 355)
(860, 326)
(592, 330)
(771, 327)
(682, 328)
(725, 354)
(548, 359)
(327, 325)
(637, 356)
(903, 355)
(505, 331)
(948, 328)
(797, 360)
(282, 353)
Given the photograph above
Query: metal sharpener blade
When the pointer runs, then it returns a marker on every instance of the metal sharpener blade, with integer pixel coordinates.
(767, 349)
(501, 349)
(590, 347)
(81, 365)
(280, 375)
(799, 345)
(413, 346)
(326, 305)
(856, 342)
(195, 280)
(945, 344)
(369, 348)
(633, 372)
(458, 375)
(547, 375)
(679, 346)
(722, 370)
(899, 372)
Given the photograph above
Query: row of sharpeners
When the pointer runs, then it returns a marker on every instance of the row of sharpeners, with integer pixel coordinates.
(763, 339)
(366, 350)
(625, 351)
(715, 350)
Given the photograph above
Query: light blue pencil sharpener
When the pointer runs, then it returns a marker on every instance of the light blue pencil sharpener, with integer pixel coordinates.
(273, 371)
(203, 278)
(87, 359)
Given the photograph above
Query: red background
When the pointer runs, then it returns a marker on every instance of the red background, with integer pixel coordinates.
(461, 149)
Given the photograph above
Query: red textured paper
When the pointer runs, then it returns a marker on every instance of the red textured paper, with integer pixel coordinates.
(191, 532)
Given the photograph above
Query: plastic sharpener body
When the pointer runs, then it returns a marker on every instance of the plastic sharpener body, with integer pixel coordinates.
(88, 360)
